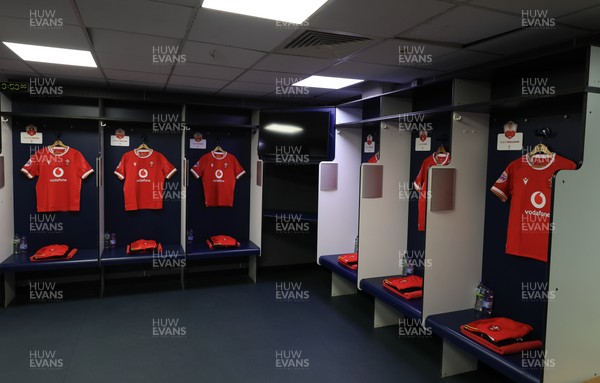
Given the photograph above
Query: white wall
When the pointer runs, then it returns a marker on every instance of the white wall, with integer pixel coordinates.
(6, 192)
(255, 195)
(338, 209)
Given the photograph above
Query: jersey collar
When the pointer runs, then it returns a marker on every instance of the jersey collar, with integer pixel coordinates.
(551, 156)
(218, 156)
(446, 157)
(137, 152)
(51, 150)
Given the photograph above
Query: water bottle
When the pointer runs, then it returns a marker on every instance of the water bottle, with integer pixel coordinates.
(16, 242)
(113, 241)
(409, 268)
(479, 294)
(488, 301)
(106, 240)
(23, 245)
(190, 236)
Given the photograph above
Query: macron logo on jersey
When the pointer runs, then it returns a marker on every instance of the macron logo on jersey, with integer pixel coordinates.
(525, 180)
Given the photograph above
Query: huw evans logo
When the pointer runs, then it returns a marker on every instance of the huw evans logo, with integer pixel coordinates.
(167, 55)
(291, 360)
(537, 87)
(414, 123)
(279, 24)
(536, 292)
(413, 328)
(44, 19)
(45, 360)
(44, 87)
(290, 292)
(168, 123)
(284, 87)
(44, 224)
(290, 155)
(168, 328)
(168, 260)
(413, 259)
(44, 292)
(170, 192)
(536, 221)
(413, 55)
(537, 19)
(536, 359)
(291, 224)
(406, 190)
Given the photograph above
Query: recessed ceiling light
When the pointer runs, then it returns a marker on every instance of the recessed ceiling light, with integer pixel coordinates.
(291, 11)
(52, 55)
(327, 82)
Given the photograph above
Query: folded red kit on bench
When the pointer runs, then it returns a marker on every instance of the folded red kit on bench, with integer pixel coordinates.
(142, 246)
(408, 287)
(53, 253)
(222, 242)
(349, 260)
(501, 335)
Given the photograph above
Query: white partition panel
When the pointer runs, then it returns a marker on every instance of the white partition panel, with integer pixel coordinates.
(383, 228)
(255, 193)
(338, 208)
(572, 336)
(6, 192)
(454, 239)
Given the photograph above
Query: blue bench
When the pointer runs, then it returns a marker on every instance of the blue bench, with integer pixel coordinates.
(15, 263)
(447, 326)
(171, 257)
(412, 308)
(201, 252)
(343, 279)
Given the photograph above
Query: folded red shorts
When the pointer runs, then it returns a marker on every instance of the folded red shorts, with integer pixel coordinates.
(349, 260)
(409, 287)
(142, 246)
(53, 252)
(501, 335)
(222, 241)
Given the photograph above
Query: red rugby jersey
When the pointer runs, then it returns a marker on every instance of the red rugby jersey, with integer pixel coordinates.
(219, 172)
(420, 183)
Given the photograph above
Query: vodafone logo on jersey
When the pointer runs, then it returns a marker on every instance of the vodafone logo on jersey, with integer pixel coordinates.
(218, 176)
(143, 174)
(58, 172)
(538, 200)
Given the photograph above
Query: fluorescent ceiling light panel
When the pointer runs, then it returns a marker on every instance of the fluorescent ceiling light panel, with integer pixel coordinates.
(283, 128)
(291, 11)
(52, 55)
(327, 82)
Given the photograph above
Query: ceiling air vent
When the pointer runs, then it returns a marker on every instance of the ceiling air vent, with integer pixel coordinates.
(324, 44)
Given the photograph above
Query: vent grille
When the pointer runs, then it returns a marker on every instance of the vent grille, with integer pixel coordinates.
(324, 44)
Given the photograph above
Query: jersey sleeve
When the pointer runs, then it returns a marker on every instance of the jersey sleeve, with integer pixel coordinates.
(418, 183)
(32, 167)
(120, 170)
(84, 167)
(239, 170)
(197, 169)
(167, 168)
(501, 187)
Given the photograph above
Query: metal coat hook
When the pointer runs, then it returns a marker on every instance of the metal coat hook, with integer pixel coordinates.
(4, 119)
(102, 124)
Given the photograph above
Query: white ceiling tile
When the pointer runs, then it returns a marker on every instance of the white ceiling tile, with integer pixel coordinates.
(55, 12)
(382, 18)
(525, 40)
(388, 53)
(191, 69)
(130, 43)
(189, 89)
(197, 82)
(585, 19)
(294, 64)
(187, 3)
(250, 87)
(139, 16)
(554, 8)
(461, 59)
(65, 70)
(213, 54)
(131, 63)
(135, 85)
(270, 78)
(463, 25)
(237, 30)
(18, 31)
(125, 75)
(13, 65)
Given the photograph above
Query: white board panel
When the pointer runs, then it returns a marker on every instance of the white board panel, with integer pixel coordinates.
(255, 195)
(6, 192)
(338, 209)
(572, 336)
(454, 238)
(383, 229)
